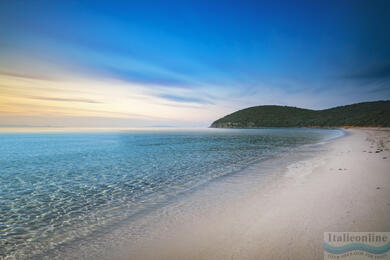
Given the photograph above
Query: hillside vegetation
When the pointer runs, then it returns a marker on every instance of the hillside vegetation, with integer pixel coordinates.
(370, 114)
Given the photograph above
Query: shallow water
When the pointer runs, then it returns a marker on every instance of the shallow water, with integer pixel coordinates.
(58, 188)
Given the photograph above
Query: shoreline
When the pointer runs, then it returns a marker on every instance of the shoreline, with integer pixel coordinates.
(93, 243)
(275, 209)
(345, 187)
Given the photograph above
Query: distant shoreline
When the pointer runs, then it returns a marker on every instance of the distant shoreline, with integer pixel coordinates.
(309, 127)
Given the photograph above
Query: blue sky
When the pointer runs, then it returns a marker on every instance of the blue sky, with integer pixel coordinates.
(188, 61)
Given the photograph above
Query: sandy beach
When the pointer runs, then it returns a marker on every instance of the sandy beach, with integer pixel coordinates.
(345, 187)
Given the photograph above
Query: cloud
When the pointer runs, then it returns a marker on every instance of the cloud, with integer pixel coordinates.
(26, 75)
(182, 99)
(50, 110)
(81, 100)
(142, 77)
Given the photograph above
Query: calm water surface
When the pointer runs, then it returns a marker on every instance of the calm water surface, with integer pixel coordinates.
(56, 188)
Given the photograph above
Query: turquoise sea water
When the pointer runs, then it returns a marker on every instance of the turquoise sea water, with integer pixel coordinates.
(57, 188)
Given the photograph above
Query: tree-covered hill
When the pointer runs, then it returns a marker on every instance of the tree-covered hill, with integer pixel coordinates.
(370, 114)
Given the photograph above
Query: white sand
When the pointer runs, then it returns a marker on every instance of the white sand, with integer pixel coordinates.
(345, 188)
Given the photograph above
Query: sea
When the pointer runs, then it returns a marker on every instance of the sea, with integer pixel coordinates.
(59, 189)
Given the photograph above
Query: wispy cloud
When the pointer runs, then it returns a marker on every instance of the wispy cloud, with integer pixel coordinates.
(25, 75)
(182, 99)
(81, 100)
(141, 77)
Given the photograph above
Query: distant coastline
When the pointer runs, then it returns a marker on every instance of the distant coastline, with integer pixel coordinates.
(367, 114)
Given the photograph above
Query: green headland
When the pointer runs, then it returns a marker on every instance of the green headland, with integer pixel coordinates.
(367, 114)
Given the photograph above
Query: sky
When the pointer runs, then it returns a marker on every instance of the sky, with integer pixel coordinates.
(186, 63)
